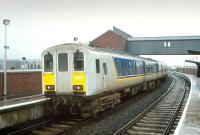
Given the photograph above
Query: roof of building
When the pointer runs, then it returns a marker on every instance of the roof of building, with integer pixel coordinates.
(164, 38)
(116, 31)
(192, 61)
(121, 33)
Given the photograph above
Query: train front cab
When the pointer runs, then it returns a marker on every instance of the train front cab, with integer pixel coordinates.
(63, 73)
(48, 75)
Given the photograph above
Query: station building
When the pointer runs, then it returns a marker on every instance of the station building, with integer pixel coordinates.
(117, 39)
(172, 45)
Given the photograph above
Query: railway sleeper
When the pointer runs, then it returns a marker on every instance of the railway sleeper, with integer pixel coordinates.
(53, 129)
(39, 132)
(71, 123)
(154, 122)
(160, 113)
(156, 119)
(133, 132)
(158, 125)
(147, 129)
(164, 109)
(62, 126)
(158, 116)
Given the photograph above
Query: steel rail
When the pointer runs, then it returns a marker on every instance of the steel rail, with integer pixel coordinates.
(142, 114)
(173, 118)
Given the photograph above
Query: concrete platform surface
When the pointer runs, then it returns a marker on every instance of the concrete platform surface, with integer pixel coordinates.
(190, 121)
(17, 102)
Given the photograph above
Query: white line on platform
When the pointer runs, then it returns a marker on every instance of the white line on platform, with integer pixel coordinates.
(21, 104)
(178, 128)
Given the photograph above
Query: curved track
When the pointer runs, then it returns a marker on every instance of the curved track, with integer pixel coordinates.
(161, 116)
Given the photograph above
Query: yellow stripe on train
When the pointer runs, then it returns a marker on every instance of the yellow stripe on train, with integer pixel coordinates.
(79, 78)
(48, 79)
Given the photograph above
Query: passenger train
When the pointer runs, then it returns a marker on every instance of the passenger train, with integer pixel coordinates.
(89, 80)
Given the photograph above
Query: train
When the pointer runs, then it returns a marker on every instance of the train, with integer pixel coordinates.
(88, 80)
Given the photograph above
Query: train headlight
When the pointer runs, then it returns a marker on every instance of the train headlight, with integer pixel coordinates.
(77, 87)
(50, 87)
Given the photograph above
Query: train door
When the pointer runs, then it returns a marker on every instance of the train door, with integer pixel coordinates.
(63, 72)
(105, 76)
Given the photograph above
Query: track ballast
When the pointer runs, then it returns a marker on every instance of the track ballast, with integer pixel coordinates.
(162, 115)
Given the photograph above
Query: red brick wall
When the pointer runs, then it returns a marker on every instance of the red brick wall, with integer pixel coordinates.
(110, 40)
(187, 70)
(22, 83)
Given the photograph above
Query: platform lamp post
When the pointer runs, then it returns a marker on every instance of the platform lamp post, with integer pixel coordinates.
(5, 22)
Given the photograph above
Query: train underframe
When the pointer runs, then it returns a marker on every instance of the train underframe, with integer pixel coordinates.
(90, 106)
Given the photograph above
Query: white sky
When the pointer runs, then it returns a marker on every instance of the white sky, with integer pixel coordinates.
(38, 24)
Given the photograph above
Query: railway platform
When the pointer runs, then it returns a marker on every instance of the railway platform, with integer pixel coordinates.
(18, 110)
(190, 120)
(6, 103)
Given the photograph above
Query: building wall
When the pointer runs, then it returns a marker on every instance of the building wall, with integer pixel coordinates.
(157, 46)
(110, 40)
(187, 70)
(22, 83)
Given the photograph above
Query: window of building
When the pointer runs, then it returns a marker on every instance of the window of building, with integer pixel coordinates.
(62, 61)
(48, 62)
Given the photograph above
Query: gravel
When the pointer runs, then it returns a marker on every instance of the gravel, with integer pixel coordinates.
(110, 121)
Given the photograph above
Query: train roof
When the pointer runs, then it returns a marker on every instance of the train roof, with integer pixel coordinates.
(96, 49)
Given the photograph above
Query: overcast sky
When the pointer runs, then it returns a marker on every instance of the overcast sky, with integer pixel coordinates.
(38, 24)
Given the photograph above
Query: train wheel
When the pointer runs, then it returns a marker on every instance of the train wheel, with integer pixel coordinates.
(73, 109)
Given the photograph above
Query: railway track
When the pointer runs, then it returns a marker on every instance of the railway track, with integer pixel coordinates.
(163, 115)
(51, 127)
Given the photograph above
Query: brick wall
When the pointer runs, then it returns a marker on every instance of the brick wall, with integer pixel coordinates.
(110, 40)
(22, 83)
(187, 70)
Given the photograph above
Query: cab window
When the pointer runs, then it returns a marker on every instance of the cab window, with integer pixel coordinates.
(62, 61)
(48, 62)
(78, 61)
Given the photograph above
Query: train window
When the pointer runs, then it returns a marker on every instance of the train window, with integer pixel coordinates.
(78, 61)
(133, 67)
(97, 66)
(140, 67)
(48, 62)
(119, 68)
(62, 61)
(151, 68)
(126, 67)
(105, 68)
